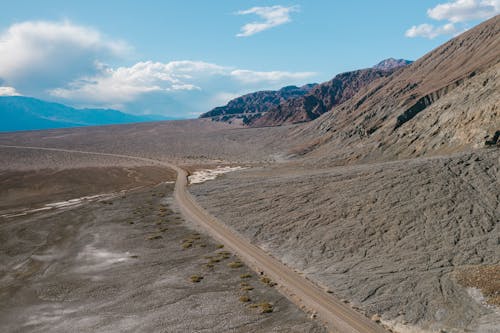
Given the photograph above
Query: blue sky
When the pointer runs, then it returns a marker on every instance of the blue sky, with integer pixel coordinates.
(180, 58)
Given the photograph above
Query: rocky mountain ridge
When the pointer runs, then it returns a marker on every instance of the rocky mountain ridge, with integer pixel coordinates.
(299, 104)
(321, 99)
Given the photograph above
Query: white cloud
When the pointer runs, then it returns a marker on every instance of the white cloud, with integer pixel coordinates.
(40, 53)
(455, 12)
(271, 16)
(9, 91)
(465, 10)
(247, 76)
(222, 98)
(126, 84)
(430, 31)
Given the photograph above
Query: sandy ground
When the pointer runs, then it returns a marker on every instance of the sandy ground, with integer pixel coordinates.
(122, 265)
(203, 175)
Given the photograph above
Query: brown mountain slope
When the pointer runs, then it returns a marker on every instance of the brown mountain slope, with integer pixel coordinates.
(320, 99)
(445, 102)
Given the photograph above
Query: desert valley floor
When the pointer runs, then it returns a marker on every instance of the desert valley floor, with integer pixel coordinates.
(380, 236)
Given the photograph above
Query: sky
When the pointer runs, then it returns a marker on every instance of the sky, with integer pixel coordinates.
(182, 58)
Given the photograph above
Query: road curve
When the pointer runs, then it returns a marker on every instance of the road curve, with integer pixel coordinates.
(337, 316)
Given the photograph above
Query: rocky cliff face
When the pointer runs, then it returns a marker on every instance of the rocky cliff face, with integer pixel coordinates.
(253, 104)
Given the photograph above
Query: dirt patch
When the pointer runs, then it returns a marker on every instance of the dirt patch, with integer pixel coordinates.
(485, 278)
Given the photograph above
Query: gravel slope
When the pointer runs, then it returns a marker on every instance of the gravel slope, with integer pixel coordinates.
(389, 237)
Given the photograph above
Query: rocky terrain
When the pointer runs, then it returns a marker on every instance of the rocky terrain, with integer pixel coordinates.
(392, 200)
(322, 98)
(445, 102)
(389, 237)
(241, 109)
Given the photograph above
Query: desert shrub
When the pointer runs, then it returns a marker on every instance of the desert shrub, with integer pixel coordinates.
(153, 237)
(244, 299)
(196, 278)
(265, 307)
(265, 280)
(235, 264)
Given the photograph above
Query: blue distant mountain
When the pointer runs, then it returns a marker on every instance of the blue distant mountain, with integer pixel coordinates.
(18, 113)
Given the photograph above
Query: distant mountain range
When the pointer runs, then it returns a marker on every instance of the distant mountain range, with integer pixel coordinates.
(293, 104)
(18, 113)
(248, 106)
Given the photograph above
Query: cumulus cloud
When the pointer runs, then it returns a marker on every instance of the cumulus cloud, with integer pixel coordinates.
(455, 12)
(465, 10)
(248, 76)
(37, 53)
(8, 91)
(272, 16)
(430, 31)
(125, 84)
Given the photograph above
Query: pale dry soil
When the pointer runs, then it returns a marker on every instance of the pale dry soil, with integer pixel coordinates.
(389, 237)
(119, 265)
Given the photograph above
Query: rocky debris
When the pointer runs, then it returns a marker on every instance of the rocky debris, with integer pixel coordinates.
(494, 140)
(483, 277)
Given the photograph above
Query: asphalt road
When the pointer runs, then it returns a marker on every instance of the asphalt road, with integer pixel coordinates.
(335, 314)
